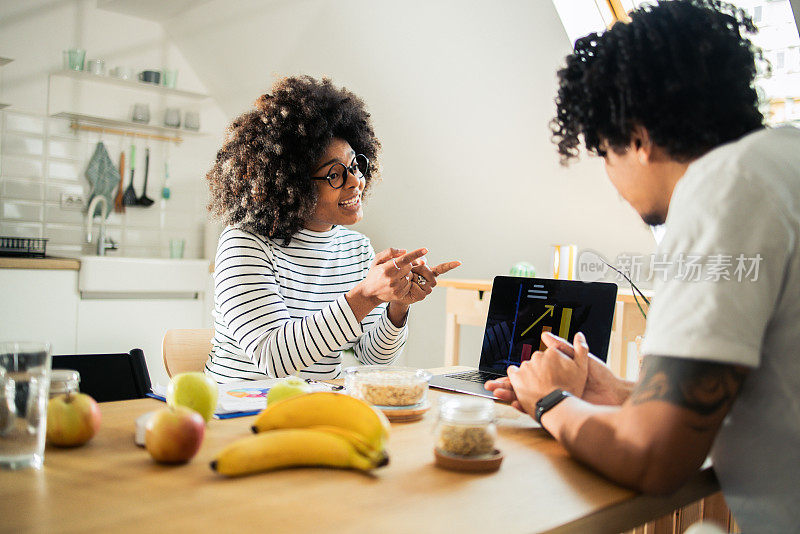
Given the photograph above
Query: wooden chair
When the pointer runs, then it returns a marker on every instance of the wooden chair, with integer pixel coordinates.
(186, 350)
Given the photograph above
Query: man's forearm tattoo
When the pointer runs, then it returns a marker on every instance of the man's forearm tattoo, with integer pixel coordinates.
(702, 387)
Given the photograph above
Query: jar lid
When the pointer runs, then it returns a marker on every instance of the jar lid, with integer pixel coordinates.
(64, 381)
(465, 409)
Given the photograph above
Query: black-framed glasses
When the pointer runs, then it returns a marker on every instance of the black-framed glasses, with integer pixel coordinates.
(337, 173)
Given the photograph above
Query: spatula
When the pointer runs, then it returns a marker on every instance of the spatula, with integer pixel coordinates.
(144, 200)
(129, 198)
(119, 207)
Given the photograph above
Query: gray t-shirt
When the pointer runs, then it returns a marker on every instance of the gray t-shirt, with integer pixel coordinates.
(736, 215)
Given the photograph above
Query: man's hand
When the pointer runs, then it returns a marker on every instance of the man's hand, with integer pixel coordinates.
(549, 370)
(601, 387)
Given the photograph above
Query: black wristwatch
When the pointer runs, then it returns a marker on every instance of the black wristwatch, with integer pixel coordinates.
(548, 402)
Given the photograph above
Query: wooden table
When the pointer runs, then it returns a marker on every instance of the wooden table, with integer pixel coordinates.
(467, 303)
(110, 485)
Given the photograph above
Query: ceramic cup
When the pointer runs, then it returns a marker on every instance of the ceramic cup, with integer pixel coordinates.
(150, 76)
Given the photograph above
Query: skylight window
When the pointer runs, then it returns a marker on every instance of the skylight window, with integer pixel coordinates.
(777, 37)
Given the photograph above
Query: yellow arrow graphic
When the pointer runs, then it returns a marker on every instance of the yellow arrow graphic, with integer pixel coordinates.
(550, 308)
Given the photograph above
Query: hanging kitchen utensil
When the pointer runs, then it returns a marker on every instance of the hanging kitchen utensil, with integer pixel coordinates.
(144, 200)
(165, 192)
(101, 173)
(129, 198)
(119, 207)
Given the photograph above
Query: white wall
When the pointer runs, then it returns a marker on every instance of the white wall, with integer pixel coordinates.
(461, 93)
(42, 158)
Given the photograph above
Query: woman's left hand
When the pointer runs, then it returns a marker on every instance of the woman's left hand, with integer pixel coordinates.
(423, 280)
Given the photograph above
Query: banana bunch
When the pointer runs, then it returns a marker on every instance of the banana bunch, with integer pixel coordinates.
(315, 429)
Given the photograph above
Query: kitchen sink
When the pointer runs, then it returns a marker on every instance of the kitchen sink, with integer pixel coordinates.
(107, 277)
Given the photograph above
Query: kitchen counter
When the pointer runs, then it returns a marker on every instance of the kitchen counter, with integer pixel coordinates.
(40, 263)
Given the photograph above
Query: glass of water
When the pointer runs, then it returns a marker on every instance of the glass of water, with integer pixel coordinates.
(24, 385)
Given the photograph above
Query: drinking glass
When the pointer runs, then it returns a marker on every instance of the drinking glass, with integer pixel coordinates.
(176, 247)
(191, 120)
(172, 117)
(141, 113)
(170, 77)
(77, 56)
(24, 386)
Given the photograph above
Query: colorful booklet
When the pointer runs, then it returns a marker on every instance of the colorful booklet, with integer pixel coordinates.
(238, 399)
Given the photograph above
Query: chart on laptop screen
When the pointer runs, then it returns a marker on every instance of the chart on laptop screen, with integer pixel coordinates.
(523, 308)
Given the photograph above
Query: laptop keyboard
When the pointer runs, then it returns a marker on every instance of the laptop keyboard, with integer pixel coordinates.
(479, 377)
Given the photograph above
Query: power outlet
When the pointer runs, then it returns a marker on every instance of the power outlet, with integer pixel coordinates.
(73, 202)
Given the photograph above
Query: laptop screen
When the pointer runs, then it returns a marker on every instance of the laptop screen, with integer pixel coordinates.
(521, 309)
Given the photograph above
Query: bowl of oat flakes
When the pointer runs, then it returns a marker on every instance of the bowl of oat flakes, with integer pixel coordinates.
(388, 386)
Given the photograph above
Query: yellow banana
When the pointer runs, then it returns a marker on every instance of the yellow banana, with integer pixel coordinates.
(328, 409)
(378, 456)
(288, 448)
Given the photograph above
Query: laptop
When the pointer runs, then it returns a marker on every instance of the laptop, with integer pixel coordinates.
(520, 310)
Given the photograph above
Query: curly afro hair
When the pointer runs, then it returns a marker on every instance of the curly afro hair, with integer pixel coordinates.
(260, 178)
(682, 69)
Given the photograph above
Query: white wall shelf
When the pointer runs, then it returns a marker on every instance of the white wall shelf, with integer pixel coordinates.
(3, 62)
(127, 127)
(88, 76)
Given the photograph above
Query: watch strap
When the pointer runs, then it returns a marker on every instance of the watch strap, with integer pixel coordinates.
(548, 402)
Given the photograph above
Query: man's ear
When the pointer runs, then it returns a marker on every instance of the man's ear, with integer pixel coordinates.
(641, 144)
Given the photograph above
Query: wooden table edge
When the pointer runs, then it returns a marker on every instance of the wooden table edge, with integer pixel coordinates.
(632, 513)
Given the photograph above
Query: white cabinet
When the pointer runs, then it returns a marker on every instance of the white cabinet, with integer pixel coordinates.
(111, 305)
(40, 305)
(129, 303)
(118, 325)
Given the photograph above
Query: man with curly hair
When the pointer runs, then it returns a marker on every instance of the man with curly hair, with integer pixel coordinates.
(293, 287)
(668, 101)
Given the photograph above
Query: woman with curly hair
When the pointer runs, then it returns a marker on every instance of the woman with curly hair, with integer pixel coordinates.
(292, 286)
(668, 101)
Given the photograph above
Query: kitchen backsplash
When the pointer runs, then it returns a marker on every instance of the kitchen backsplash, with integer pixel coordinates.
(42, 160)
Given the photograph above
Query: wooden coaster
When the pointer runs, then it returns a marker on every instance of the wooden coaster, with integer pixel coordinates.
(402, 414)
(469, 465)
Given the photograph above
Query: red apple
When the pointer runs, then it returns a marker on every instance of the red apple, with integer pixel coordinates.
(72, 419)
(174, 434)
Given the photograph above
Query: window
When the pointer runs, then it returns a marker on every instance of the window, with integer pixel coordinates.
(777, 37)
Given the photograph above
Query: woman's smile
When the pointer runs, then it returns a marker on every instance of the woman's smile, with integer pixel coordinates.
(351, 204)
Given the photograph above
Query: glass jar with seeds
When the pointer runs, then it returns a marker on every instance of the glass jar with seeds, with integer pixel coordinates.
(466, 426)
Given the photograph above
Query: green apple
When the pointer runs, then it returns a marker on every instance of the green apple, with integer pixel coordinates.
(72, 419)
(194, 390)
(288, 387)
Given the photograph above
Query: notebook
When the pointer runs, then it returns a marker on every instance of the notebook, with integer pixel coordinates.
(520, 310)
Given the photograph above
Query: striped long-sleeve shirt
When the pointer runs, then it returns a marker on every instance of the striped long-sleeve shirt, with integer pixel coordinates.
(281, 309)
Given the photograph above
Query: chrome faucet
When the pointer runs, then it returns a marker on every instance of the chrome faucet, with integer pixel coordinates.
(103, 244)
